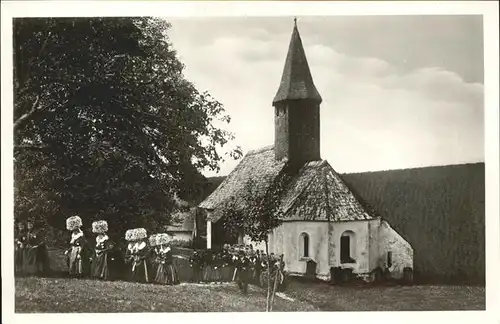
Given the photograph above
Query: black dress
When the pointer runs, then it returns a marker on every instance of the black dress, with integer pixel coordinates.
(207, 266)
(227, 269)
(102, 263)
(195, 263)
(78, 256)
(19, 241)
(138, 259)
(171, 269)
(35, 256)
(243, 273)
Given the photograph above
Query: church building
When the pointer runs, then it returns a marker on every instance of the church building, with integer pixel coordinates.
(323, 222)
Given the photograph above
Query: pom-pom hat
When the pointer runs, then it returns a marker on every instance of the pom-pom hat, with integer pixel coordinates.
(73, 222)
(100, 227)
(136, 234)
(159, 239)
(162, 238)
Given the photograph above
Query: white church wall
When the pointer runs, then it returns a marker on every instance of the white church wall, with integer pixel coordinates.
(373, 229)
(401, 251)
(287, 240)
(256, 245)
(360, 245)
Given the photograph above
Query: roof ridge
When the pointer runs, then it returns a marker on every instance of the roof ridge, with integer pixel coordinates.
(415, 168)
(260, 150)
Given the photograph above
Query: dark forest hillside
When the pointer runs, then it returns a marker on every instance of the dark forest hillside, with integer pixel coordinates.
(439, 210)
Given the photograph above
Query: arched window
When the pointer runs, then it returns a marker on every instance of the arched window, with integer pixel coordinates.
(304, 245)
(389, 259)
(347, 245)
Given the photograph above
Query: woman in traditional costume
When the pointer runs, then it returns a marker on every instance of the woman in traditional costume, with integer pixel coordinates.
(102, 263)
(257, 267)
(235, 259)
(253, 266)
(196, 264)
(172, 272)
(217, 262)
(208, 266)
(19, 240)
(137, 255)
(153, 253)
(243, 275)
(226, 267)
(78, 253)
(166, 271)
(35, 256)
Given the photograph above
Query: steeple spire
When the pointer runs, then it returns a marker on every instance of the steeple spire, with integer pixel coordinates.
(296, 107)
(296, 81)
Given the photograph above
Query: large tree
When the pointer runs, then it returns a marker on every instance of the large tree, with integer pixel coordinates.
(105, 123)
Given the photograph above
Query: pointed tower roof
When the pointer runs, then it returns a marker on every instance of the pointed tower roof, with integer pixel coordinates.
(296, 82)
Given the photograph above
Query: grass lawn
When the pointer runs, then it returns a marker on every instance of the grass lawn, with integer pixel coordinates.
(388, 298)
(74, 295)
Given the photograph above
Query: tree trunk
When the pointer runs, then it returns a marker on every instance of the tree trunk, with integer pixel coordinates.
(275, 286)
(268, 278)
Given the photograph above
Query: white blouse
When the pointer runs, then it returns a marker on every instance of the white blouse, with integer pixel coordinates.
(101, 238)
(76, 236)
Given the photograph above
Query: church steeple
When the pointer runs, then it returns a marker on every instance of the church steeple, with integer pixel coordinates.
(296, 81)
(296, 107)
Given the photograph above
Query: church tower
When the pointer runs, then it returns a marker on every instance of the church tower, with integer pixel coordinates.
(296, 107)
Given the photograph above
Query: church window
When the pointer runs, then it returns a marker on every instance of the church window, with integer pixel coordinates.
(304, 245)
(389, 259)
(347, 247)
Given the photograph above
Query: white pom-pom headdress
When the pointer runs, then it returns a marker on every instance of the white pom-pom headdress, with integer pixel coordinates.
(73, 223)
(136, 234)
(100, 227)
(161, 239)
(152, 240)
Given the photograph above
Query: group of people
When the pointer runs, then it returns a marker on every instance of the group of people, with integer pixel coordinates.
(145, 260)
(30, 252)
(240, 263)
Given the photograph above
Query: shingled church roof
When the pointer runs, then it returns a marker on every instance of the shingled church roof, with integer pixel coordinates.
(296, 81)
(318, 193)
(315, 192)
(258, 166)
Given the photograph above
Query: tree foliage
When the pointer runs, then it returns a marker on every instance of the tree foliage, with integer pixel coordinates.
(105, 123)
(252, 214)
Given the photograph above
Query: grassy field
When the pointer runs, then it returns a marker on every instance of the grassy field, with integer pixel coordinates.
(80, 296)
(388, 298)
(74, 295)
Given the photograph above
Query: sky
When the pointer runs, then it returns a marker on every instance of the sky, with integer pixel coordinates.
(398, 91)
